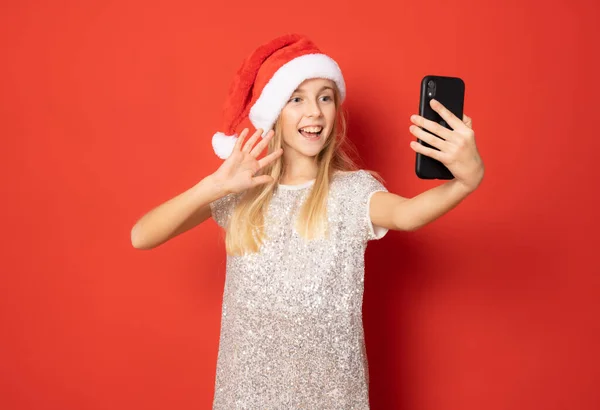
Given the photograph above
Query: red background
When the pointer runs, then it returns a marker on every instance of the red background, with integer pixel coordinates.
(108, 108)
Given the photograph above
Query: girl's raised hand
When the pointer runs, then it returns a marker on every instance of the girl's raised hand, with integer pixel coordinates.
(236, 173)
(457, 148)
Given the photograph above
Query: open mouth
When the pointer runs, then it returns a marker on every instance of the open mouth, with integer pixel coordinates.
(311, 133)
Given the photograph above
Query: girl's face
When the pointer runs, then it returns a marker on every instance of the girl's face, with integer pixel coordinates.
(308, 117)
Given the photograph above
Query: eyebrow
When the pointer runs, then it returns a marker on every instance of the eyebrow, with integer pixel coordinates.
(325, 87)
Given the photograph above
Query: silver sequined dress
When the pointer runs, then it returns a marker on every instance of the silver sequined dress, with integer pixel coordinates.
(291, 327)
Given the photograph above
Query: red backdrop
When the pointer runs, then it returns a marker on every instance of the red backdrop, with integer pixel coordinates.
(108, 109)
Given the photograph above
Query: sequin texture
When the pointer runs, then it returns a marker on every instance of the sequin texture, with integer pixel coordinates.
(291, 327)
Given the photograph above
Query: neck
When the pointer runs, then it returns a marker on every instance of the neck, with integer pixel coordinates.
(299, 170)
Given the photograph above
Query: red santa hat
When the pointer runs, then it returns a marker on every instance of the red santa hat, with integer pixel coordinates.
(266, 80)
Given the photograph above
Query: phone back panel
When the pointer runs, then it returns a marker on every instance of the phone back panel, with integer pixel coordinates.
(450, 91)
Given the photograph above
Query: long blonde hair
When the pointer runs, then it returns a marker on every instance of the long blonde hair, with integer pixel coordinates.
(245, 232)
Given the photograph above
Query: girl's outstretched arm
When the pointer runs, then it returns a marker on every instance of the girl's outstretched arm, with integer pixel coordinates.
(402, 214)
(456, 149)
(176, 215)
(192, 207)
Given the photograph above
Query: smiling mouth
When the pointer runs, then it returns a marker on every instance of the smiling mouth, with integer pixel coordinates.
(311, 133)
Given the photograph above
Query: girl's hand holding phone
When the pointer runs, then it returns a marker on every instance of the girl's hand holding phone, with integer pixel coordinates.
(236, 173)
(457, 148)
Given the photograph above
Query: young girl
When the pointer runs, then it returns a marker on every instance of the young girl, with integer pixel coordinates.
(297, 224)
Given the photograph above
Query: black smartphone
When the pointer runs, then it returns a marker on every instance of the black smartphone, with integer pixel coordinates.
(450, 91)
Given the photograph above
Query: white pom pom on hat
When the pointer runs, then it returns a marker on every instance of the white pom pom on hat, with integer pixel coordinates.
(223, 144)
(265, 81)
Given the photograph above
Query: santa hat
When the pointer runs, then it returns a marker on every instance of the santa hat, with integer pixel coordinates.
(266, 80)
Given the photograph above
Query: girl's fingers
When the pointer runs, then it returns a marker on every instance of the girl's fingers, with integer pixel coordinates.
(430, 152)
(447, 115)
(262, 144)
(432, 126)
(427, 137)
(270, 158)
(262, 179)
(468, 121)
(238, 143)
(248, 145)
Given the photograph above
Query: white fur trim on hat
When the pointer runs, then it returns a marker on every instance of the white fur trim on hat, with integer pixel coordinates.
(286, 79)
(223, 144)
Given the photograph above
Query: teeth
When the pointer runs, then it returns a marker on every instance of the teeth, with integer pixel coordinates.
(312, 129)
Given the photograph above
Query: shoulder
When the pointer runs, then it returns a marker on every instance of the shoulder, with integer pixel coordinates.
(222, 208)
(227, 200)
(357, 179)
(353, 192)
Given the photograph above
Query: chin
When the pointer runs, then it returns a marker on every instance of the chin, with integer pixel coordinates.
(311, 154)
(305, 148)
(311, 149)
(305, 152)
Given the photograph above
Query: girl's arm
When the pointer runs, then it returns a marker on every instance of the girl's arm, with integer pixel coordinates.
(177, 215)
(402, 214)
(192, 207)
(456, 149)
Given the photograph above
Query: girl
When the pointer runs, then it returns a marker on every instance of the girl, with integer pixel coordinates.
(297, 224)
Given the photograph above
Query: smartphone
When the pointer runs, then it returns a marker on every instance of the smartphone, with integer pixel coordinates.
(450, 91)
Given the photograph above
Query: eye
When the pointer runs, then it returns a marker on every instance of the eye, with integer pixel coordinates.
(294, 99)
(327, 98)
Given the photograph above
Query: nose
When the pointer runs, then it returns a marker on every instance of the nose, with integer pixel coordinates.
(313, 109)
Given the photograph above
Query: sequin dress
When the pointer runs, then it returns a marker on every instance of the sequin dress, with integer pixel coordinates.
(291, 327)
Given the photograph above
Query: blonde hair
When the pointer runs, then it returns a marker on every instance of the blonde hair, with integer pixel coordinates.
(245, 232)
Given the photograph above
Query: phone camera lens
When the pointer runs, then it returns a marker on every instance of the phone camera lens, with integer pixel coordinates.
(431, 88)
